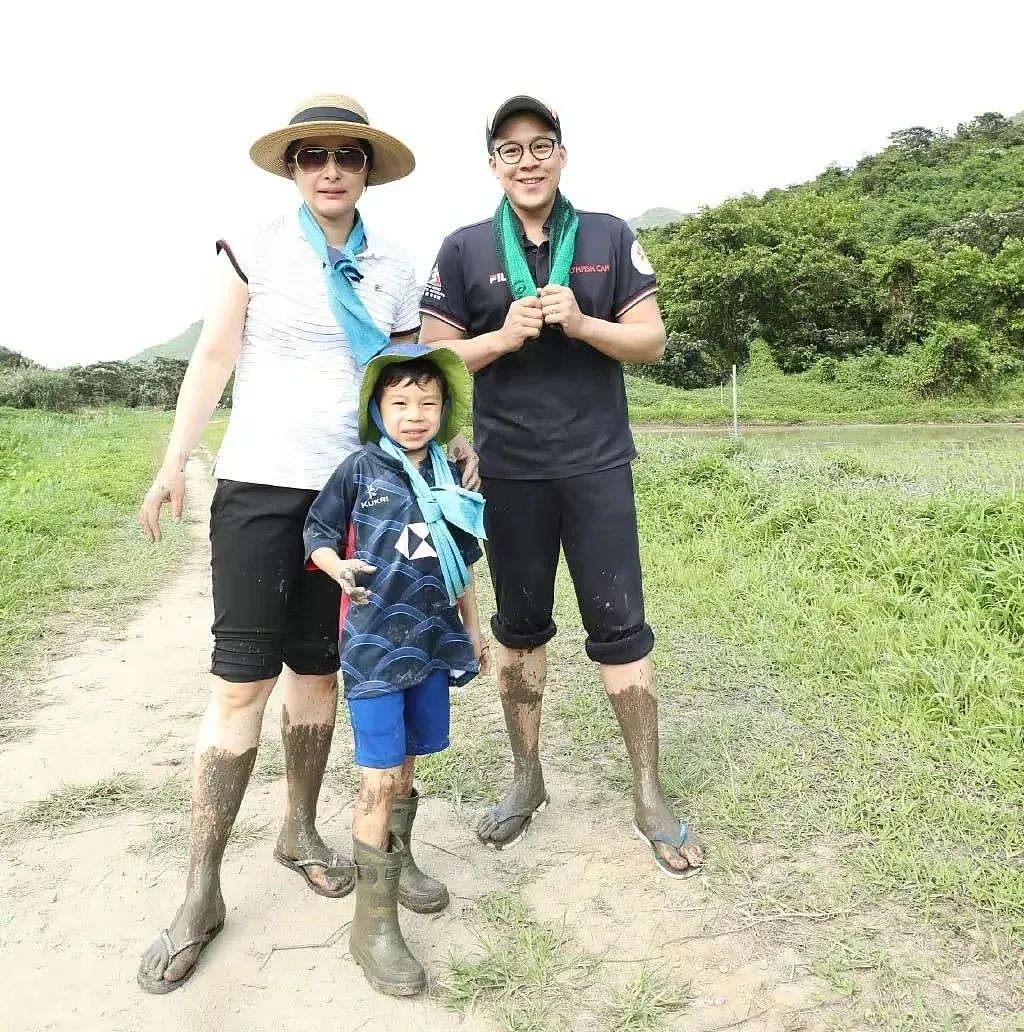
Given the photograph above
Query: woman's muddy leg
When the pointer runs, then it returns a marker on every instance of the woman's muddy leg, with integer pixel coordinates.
(224, 758)
(309, 707)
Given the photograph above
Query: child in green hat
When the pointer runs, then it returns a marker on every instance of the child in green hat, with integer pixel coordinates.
(399, 535)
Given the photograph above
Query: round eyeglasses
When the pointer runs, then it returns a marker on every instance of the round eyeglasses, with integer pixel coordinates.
(512, 153)
(313, 159)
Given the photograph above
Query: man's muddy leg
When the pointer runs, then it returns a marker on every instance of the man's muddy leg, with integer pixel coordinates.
(632, 693)
(309, 707)
(522, 674)
(224, 758)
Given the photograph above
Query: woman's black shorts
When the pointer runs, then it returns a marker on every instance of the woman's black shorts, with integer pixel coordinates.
(268, 609)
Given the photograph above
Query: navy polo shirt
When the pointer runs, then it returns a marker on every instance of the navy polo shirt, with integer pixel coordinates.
(556, 407)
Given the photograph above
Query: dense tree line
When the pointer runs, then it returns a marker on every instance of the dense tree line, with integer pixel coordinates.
(914, 259)
(152, 383)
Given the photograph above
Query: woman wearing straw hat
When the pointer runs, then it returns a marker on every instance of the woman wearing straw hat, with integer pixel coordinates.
(296, 313)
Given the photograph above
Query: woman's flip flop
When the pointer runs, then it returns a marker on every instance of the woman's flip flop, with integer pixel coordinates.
(334, 867)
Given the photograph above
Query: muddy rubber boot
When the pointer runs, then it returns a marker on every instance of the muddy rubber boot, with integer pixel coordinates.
(376, 941)
(416, 891)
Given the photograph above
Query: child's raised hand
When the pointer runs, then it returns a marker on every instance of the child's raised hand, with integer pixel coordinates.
(348, 570)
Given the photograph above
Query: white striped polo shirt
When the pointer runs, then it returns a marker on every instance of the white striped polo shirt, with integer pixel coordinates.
(294, 410)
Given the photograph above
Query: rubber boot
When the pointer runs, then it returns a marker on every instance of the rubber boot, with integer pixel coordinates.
(376, 941)
(416, 891)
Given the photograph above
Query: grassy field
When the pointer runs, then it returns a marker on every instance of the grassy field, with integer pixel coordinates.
(841, 662)
(70, 486)
(800, 399)
(841, 655)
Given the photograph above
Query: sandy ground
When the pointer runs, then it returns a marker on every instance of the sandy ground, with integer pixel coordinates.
(78, 907)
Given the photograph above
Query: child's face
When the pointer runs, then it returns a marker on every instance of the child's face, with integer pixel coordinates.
(411, 413)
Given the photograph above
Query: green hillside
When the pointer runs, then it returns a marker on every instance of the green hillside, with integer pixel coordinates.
(181, 346)
(655, 218)
(911, 262)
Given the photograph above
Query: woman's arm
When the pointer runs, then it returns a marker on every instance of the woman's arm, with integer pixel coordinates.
(208, 372)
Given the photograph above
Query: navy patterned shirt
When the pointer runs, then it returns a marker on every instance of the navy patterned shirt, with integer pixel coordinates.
(368, 511)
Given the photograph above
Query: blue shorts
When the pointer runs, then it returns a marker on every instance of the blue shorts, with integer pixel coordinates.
(414, 722)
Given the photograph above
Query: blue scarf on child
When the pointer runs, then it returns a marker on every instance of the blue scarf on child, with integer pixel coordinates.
(446, 502)
(364, 336)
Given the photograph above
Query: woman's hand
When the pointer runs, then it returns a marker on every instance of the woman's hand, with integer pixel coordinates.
(168, 486)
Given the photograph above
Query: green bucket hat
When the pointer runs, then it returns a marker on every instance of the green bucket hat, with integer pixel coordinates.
(458, 383)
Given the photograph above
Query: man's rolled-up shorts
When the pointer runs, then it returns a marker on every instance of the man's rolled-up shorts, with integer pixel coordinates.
(592, 518)
(268, 609)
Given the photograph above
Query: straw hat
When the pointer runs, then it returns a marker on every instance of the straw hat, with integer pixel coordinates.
(334, 114)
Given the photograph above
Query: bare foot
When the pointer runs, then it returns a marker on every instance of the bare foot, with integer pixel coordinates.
(196, 919)
(506, 822)
(656, 818)
(306, 844)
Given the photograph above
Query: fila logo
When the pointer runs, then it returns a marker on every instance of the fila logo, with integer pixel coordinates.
(498, 277)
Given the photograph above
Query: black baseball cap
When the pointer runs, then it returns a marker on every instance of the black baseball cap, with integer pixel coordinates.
(513, 106)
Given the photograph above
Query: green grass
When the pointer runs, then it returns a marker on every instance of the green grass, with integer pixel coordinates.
(842, 659)
(529, 974)
(841, 676)
(643, 1004)
(70, 487)
(269, 761)
(800, 399)
(72, 803)
(213, 435)
(470, 769)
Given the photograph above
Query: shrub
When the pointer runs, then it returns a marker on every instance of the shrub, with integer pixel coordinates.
(951, 357)
(49, 389)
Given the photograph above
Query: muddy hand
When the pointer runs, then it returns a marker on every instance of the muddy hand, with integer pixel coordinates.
(347, 574)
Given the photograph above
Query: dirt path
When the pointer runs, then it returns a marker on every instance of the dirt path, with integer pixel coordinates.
(78, 906)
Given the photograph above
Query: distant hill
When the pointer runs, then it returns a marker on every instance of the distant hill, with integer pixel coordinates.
(655, 218)
(181, 346)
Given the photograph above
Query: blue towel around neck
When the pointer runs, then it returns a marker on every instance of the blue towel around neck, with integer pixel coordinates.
(364, 336)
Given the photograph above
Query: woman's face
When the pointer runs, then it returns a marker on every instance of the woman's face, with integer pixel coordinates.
(330, 192)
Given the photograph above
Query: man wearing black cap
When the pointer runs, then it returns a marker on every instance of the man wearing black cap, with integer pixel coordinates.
(544, 303)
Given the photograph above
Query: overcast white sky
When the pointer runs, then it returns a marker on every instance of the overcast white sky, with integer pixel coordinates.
(126, 127)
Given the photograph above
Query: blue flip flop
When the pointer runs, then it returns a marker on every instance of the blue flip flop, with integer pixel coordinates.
(677, 844)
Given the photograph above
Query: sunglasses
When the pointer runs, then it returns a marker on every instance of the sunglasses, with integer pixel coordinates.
(313, 159)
